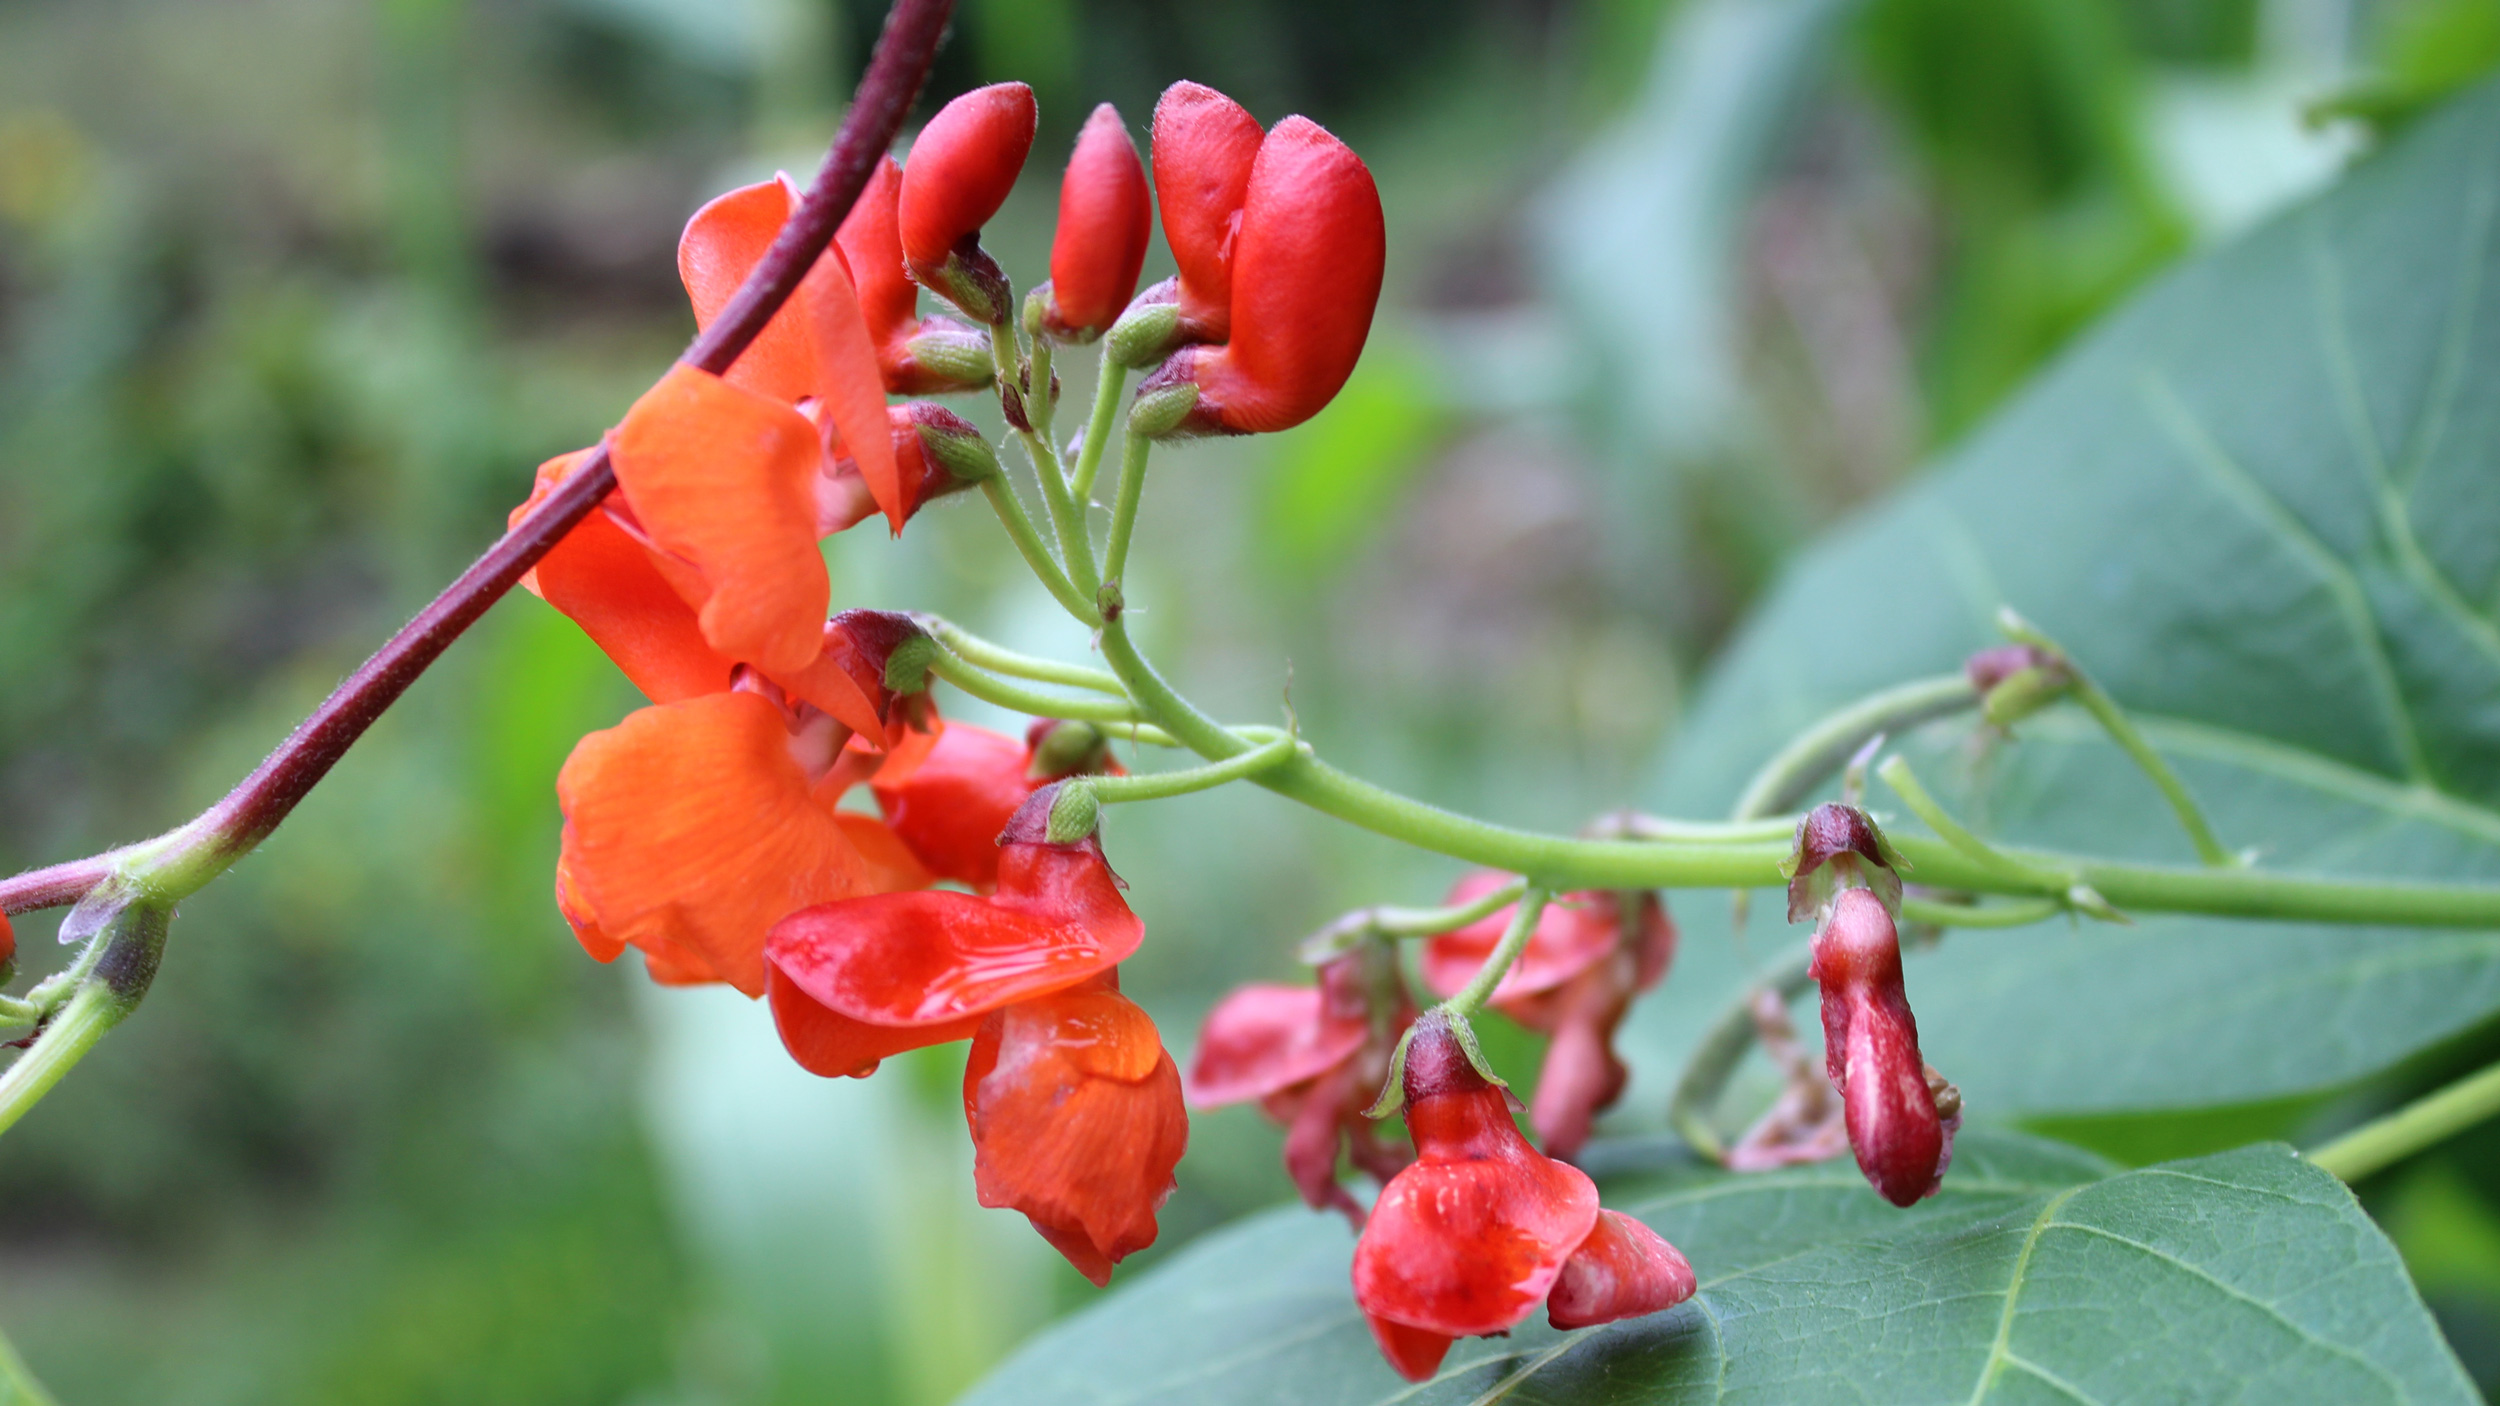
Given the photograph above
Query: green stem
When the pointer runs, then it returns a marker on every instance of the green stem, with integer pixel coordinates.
(1424, 922)
(2380, 1144)
(1792, 774)
(1631, 825)
(1023, 700)
(1722, 1047)
(1156, 785)
(2122, 730)
(1479, 988)
(1133, 451)
(1000, 660)
(1076, 549)
(1108, 382)
(73, 1031)
(18, 1386)
(1897, 774)
(1038, 406)
(2021, 913)
(1019, 525)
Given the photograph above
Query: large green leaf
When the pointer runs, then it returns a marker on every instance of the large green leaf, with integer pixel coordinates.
(2035, 1275)
(2262, 504)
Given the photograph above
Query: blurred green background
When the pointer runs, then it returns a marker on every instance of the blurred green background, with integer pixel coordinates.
(294, 294)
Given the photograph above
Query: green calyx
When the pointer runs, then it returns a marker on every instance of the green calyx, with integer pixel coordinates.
(1161, 411)
(967, 456)
(1073, 813)
(1144, 334)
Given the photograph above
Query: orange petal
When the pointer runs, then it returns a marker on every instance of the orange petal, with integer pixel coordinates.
(850, 386)
(891, 867)
(721, 245)
(690, 832)
(725, 479)
(829, 1043)
(605, 582)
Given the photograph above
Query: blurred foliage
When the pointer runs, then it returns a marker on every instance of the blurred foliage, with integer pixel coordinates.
(293, 294)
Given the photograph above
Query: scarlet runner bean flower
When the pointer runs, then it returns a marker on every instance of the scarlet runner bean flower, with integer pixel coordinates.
(1204, 144)
(1575, 982)
(919, 356)
(1075, 1108)
(961, 168)
(1315, 1058)
(1104, 226)
(1482, 1227)
(949, 806)
(1900, 1126)
(1305, 271)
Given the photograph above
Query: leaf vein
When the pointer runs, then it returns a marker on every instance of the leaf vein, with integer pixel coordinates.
(2000, 1349)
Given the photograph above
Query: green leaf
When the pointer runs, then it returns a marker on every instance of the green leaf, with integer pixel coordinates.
(2035, 1275)
(2259, 505)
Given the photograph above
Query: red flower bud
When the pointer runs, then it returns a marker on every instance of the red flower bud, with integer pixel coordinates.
(961, 169)
(1104, 225)
(1870, 1049)
(1076, 1119)
(918, 356)
(1204, 145)
(1315, 1058)
(1838, 847)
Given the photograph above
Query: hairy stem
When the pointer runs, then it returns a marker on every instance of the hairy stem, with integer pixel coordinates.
(1497, 964)
(999, 660)
(1897, 774)
(1108, 381)
(1156, 785)
(1792, 774)
(1022, 700)
(1036, 553)
(2021, 913)
(2423, 1123)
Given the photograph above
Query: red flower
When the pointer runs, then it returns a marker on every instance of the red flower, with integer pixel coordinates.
(1470, 1238)
(1574, 982)
(929, 442)
(1076, 1118)
(962, 166)
(1315, 1057)
(853, 982)
(919, 356)
(1204, 144)
(1104, 225)
(1903, 1139)
(1306, 271)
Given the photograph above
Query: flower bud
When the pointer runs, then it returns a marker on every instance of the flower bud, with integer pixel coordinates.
(916, 355)
(1204, 147)
(961, 169)
(1870, 1049)
(1104, 225)
(1838, 847)
(947, 441)
(1306, 272)
(1150, 328)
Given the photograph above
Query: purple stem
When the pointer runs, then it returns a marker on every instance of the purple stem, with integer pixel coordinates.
(255, 807)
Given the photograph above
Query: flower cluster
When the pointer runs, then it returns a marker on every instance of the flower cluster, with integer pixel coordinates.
(718, 833)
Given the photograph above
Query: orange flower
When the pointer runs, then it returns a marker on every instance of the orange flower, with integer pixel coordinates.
(919, 356)
(1076, 1118)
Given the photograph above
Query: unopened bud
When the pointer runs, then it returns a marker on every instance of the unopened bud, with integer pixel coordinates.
(1437, 1055)
(1839, 847)
(1061, 813)
(1165, 401)
(2017, 680)
(1870, 1050)
(948, 356)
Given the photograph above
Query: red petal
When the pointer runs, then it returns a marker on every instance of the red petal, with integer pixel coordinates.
(950, 808)
(724, 479)
(1204, 146)
(892, 868)
(829, 1043)
(1264, 1038)
(1623, 1270)
(1104, 226)
(923, 958)
(1415, 1353)
(1306, 278)
(1581, 1075)
(721, 245)
(962, 166)
(872, 247)
(1076, 1120)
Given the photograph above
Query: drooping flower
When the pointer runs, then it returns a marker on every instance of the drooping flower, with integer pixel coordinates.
(919, 356)
(1076, 1118)
(1900, 1124)
(1315, 1057)
(853, 982)
(961, 168)
(1575, 982)
(1104, 227)
(1306, 267)
(1482, 1227)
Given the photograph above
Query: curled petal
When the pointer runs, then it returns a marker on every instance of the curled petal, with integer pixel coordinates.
(1623, 1270)
(604, 581)
(950, 808)
(690, 829)
(936, 956)
(1104, 225)
(1204, 145)
(724, 479)
(1265, 1038)
(1076, 1120)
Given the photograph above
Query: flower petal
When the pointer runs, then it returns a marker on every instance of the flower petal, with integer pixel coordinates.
(1264, 1038)
(721, 245)
(950, 808)
(832, 1044)
(604, 581)
(725, 479)
(689, 830)
(1469, 1247)
(1415, 1353)
(1623, 1270)
(1574, 933)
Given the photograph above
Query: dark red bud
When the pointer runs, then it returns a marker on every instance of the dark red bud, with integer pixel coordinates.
(1838, 846)
(1990, 667)
(1870, 1043)
(1438, 1062)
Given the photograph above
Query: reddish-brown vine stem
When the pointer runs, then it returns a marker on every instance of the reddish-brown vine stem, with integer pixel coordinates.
(255, 807)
